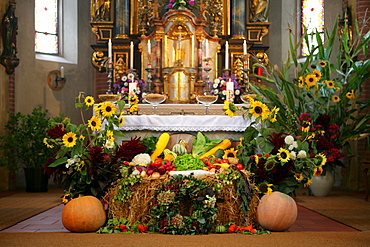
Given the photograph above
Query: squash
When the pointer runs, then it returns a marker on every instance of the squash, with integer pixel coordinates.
(161, 144)
(83, 214)
(169, 155)
(226, 143)
(180, 148)
(220, 229)
(277, 211)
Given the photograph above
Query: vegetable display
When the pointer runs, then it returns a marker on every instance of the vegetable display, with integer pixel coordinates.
(188, 162)
(160, 145)
(202, 144)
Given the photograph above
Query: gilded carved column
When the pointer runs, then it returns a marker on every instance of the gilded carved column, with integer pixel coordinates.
(238, 10)
(122, 18)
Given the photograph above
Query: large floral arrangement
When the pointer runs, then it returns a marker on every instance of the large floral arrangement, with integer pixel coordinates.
(121, 86)
(87, 157)
(176, 4)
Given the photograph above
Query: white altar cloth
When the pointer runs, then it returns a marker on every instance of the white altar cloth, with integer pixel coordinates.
(185, 123)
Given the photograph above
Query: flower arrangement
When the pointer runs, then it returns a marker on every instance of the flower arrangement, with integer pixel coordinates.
(218, 87)
(176, 4)
(121, 86)
(87, 158)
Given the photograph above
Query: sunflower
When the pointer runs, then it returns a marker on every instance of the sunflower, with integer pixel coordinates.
(317, 74)
(274, 112)
(283, 155)
(133, 100)
(308, 183)
(98, 108)
(318, 171)
(89, 101)
(108, 109)
(322, 64)
(335, 98)
(269, 165)
(256, 159)
(311, 80)
(66, 198)
(69, 139)
(306, 126)
(110, 135)
(134, 108)
(265, 188)
(47, 144)
(351, 95)
(329, 84)
(299, 176)
(230, 153)
(94, 123)
(121, 120)
(230, 109)
(258, 109)
(322, 158)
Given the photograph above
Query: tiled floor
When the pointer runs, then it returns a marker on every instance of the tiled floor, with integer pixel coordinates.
(307, 220)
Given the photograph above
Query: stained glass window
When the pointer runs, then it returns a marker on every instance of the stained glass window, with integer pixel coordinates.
(313, 20)
(46, 26)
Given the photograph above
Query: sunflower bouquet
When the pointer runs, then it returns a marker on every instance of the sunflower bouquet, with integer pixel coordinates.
(87, 157)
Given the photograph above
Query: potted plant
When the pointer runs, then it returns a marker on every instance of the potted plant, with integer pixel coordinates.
(23, 147)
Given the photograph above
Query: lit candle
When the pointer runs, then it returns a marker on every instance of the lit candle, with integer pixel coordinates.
(207, 48)
(227, 55)
(245, 47)
(230, 91)
(110, 50)
(132, 87)
(62, 72)
(149, 47)
(132, 55)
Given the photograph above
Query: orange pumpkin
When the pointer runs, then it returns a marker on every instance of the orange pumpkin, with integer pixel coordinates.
(83, 214)
(277, 211)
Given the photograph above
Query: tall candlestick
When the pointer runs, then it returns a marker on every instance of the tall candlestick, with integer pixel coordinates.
(149, 47)
(62, 72)
(132, 55)
(227, 55)
(245, 47)
(207, 48)
(110, 50)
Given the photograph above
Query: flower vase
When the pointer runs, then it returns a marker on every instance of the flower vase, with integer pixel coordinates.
(322, 185)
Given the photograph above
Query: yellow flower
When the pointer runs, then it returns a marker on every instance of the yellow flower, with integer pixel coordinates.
(329, 84)
(265, 188)
(133, 100)
(311, 80)
(308, 183)
(306, 126)
(66, 198)
(230, 109)
(337, 89)
(94, 123)
(134, 108)
(312, 136)
(258, 109)
(322, 64)
(323, 159)
(121, 120)
(47, 144)
(299, 177)
(283, 155)
(110, 135)
(81, 137)
(335, 98)
(318, 171)
(317, 74)
(351, 95)
(256, 159)
(301, 82)
(69, 139)
(274, 112)
(98, 108)
(108, 109)
(89, 101)
(230, 153)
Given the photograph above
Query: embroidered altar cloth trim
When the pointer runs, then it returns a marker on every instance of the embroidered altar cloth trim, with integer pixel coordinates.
(185, 123)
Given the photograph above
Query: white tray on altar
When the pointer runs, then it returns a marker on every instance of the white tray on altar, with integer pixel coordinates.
(195, 173)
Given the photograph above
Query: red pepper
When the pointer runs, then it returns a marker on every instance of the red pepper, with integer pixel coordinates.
(232, 228)
(142, 228)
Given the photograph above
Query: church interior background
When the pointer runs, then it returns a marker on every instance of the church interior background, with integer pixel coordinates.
(177, 50)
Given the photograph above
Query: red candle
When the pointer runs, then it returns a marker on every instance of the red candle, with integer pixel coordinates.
(259, 71)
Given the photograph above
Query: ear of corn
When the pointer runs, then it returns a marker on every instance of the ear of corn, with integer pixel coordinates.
(226, 143)
(160, 145)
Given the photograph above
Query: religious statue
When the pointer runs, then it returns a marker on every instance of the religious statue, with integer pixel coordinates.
(9, 32)
(100, 10)
(259, 10)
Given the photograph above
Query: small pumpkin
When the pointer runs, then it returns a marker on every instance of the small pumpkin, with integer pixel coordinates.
(277, 211)
(83, 214)
(220, 229)
(180, 148)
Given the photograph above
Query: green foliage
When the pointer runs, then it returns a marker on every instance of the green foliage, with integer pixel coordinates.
(22, 143)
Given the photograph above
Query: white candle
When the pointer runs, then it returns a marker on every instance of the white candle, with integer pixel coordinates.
(132, 87)
(227, 55)
(230, 91)
(207, 48)
(132, 55)
(149, 47)
(62, 72)
(110, 50)
(245, 47)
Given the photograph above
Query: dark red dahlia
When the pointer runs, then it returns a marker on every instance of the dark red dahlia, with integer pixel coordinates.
(57, 132)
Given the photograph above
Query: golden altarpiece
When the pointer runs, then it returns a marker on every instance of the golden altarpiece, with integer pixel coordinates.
(178, 50)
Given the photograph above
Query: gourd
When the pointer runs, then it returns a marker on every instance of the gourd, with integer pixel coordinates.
(226, 143)
(277, 211)
(169, 155)
(161, 144)
(220, 229)
(83, 214)
(179, 148)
